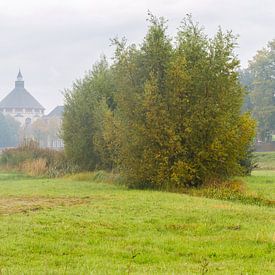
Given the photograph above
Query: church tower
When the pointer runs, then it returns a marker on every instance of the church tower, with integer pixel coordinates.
(20, 104)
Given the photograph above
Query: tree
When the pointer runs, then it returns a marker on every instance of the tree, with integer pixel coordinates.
(259, 79)
(178, 112)
(80, 125)
(45, 130)
(166, 114)
(9, 131)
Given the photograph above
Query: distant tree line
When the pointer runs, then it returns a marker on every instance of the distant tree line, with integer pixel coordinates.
(259, 80)
(13, 134)
(166, 113)
(9, 131)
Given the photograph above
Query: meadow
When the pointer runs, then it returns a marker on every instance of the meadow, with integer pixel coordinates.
(79, 226)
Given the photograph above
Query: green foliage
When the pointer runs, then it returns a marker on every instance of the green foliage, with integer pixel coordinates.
(178, 108)
(249, 163)
(9, 131)
(81, 128)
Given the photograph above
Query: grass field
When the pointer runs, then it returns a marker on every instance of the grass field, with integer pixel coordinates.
(79, 227)
(265, 160)
(262, 183)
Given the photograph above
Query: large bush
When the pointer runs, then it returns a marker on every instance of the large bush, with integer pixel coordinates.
(165, 114)
(178, 109)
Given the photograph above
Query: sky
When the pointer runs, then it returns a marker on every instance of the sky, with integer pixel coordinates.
(54, 42)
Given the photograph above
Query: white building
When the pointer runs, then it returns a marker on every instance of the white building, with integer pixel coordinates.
(21, 105)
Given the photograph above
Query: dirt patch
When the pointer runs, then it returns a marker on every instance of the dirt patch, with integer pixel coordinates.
(11, 205)
(181, 227)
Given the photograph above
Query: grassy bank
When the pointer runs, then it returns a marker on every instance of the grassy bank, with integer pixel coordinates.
(67, 226)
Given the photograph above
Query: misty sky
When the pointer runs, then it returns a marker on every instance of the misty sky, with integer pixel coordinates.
(56, 41)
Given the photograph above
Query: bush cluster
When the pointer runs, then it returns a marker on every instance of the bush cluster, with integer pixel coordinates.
(166, 113)
(36, 161)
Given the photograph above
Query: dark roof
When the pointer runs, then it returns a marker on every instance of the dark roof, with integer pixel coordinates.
(19, 97)
(56, 112)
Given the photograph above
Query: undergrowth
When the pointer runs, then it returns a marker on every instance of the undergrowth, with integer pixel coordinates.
(96, 176)
(29, 158)
(34, 161)
(231, 190)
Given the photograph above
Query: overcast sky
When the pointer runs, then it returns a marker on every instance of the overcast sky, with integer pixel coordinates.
(56, 41)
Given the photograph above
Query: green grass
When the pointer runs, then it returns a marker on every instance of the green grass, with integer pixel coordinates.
(265, 160)
(79, 227)
(262, 183)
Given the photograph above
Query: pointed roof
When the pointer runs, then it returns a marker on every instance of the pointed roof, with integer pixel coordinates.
(19, 97)
(19, 76)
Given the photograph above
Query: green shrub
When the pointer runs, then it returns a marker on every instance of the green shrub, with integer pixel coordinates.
(84, 111)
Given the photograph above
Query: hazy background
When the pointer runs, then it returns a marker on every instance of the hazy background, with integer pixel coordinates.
(54, 42)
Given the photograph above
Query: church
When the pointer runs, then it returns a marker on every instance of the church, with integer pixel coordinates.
(25, 109)
(21, 105)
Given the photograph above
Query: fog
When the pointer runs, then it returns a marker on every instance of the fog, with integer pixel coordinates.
(55, 42)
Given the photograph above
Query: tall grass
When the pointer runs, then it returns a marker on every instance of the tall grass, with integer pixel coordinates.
(232, 190)
(96, 176)
(36, 167)
(35, 161)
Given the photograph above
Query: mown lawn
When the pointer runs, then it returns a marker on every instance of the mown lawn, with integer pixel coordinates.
(79, 227)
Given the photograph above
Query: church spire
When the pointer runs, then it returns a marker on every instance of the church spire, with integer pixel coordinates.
(19, 83)
(19, 76)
